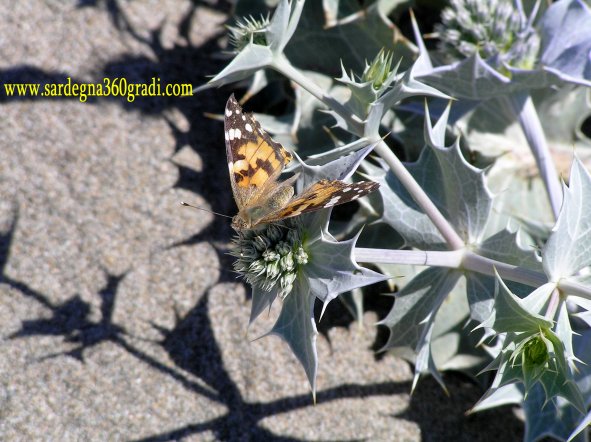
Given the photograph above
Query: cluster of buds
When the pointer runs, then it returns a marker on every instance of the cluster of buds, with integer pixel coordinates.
(533, 353)
(270, 257)
(378, 72)
(489, 28)
(247, 30)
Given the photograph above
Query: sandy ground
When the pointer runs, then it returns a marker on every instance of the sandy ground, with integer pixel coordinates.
(120, 317)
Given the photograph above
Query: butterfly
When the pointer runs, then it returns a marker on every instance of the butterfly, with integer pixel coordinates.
(255, 163)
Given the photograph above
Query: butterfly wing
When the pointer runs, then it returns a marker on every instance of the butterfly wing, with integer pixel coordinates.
(321, 195)
(255, 161)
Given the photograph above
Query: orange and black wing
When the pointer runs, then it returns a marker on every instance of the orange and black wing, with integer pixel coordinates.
(321, 195)
(255, 161)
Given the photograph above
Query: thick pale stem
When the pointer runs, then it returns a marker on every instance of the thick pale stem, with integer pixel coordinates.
(466, 260)
(487, 266)
(574, 288)
(524, 109)
(282, 65)
(553, 305)
(451, 259)
(456, 259)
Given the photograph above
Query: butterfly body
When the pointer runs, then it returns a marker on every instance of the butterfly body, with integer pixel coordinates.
(250, 216)
(255, 163)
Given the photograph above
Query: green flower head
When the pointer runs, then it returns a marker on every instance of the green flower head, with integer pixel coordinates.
(270, 257)
(248, 29)
(489, 28)
(379, 70)
(535, 351)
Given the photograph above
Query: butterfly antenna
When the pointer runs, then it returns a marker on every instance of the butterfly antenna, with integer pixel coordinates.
(204, 209)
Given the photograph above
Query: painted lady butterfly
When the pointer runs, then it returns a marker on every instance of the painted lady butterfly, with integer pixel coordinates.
(255, 162)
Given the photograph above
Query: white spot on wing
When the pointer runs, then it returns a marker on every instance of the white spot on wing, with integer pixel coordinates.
(333, 201)
(228, 112)
(226, 136)
(237, 133)
(248, 127)
(231, 134)
(243, 118)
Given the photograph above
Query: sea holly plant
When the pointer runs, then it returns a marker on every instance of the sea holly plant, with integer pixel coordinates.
(497, 55)
(476, 288)
(299, 261)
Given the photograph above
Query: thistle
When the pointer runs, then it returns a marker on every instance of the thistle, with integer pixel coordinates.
(271, 257)
(379, 70)
(375, 81)
(489, 29)
(247, 30)
(533, 354)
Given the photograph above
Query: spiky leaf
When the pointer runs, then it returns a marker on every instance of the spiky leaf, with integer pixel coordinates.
(296, 325)
(558, 418)
(566, 38)
(248, 61)
(457, 189)
(567, 249)
(338, 169)
(261, 300)
(412, 318)
(332, 269)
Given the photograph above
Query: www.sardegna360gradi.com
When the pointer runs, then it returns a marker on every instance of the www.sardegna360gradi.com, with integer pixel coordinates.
(109, 87)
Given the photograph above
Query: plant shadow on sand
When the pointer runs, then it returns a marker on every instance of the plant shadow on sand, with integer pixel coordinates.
(191, 343)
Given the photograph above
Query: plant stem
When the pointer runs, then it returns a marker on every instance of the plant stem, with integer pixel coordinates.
(455, 259)
(487, 266)
(282, 65)
(467, 260)
(523, 108)
(574, 288)
(553, 305)
(451, 259)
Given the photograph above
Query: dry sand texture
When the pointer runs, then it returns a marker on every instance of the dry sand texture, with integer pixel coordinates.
(120, 317)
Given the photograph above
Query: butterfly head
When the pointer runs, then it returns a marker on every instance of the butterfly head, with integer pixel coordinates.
(239, 223)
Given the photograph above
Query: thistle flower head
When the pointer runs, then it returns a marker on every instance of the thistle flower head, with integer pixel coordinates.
(379, 70)
(533, 351)
(489, 28)
(248, 29)
(271, 257)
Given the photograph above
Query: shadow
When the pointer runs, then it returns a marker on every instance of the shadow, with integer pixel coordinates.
(71, 319)
(191, 344)
(6, 239)
(217, 234)
(443, 417)
(338, 315)
(116, 14)
(179, 64)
